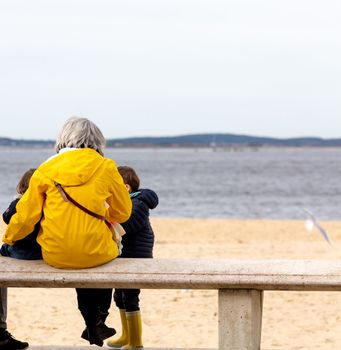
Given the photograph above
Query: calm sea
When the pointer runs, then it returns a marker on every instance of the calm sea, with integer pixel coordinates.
(271, 183)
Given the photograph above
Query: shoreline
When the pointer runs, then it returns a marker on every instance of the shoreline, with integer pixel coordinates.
(217, 148)
(50, 316)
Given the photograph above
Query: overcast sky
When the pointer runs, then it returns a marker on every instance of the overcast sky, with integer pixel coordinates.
(135, 67)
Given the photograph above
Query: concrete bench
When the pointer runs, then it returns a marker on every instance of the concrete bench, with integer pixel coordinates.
(240, 284)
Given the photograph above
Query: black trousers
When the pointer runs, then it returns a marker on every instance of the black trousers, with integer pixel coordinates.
(92, 302)
(127, 299)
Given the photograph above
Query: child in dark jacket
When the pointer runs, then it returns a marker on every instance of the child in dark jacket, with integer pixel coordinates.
(26, 248)
(137, 242)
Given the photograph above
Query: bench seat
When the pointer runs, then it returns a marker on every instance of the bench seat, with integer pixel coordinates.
(307, 275)
(240, 285)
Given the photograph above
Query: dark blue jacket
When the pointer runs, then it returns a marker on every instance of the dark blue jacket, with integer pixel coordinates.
(138, 241)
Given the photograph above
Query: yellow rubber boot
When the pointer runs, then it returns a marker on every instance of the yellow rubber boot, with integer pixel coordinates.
(134, 322)
(123, 339)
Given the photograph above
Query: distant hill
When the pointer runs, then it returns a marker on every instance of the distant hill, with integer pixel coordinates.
(195, 140)
(221, 140)
(7, 142)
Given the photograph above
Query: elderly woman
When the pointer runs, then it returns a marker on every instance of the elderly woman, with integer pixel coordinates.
(75, 194)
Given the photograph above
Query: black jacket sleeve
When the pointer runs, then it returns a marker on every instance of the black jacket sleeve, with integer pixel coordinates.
(10, 211)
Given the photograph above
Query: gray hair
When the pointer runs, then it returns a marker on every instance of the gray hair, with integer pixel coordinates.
(80, 133)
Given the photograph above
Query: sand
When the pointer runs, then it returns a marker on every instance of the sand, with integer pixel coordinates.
(184, 318)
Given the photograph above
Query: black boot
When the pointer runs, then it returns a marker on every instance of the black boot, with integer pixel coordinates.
(99, 333)
(103, 317)
(96, 331)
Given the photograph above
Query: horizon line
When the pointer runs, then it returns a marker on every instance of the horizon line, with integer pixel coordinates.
(184, 135)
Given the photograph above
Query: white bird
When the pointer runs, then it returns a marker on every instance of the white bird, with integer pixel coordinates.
(312, 222)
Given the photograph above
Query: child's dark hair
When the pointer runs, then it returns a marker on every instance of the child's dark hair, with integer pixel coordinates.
(129, 177)
(24, 181)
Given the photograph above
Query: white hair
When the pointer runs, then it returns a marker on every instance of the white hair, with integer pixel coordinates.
(80, 133)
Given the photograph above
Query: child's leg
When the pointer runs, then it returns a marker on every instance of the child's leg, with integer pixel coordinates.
(3, 308)
(20, 253)
(131, 299)
(123, 339)
(118, 298)
(7, 341)
(5, 250)
(134, 321)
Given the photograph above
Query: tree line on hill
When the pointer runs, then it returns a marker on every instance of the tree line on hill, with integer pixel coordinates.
(194, 140)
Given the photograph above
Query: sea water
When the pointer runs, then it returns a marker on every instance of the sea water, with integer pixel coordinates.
(258, 183)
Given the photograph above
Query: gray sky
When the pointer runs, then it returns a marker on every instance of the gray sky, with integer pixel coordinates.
(135, 67)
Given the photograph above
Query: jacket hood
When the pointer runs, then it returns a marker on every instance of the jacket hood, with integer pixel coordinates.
(147, 196)
(72, 168)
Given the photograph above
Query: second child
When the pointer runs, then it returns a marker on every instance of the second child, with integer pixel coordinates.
(26, 248)
(138, 242)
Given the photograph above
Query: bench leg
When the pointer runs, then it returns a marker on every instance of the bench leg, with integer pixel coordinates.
(240, 319)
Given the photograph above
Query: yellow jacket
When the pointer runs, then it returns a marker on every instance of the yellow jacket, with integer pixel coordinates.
(69, 237)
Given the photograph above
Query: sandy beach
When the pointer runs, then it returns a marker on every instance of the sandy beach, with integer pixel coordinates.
(182, 318)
